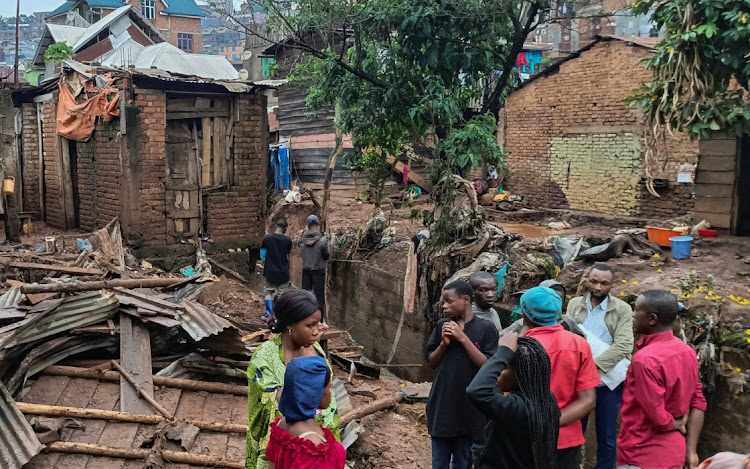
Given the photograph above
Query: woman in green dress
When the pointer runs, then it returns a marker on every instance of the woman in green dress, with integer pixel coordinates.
(297, 320)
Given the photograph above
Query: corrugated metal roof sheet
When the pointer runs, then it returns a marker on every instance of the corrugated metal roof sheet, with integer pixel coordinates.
(11, 298)
(105, 3)
(61, 9)
(69, 34)
(200, 322)
(18, 442)
(169, 58)
(92, 31)
(60, 316)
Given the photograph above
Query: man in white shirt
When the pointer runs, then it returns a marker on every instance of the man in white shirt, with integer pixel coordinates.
(610, 320)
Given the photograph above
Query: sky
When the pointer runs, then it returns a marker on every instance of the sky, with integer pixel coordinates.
(8, 7)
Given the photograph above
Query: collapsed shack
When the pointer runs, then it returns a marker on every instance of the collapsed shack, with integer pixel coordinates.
(175, 157)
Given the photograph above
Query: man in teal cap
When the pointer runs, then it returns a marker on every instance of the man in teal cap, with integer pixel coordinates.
(574, 376)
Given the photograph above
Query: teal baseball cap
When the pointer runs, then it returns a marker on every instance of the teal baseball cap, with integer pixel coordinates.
(542, 306)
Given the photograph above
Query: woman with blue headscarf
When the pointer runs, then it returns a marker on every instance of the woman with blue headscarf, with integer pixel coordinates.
(297, 441)
(297, 327)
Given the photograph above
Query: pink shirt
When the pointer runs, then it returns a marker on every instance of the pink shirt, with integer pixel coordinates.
(662, 384)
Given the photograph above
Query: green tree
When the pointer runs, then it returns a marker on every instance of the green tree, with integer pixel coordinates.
(700, 68)
(58, 52)
(410, 71)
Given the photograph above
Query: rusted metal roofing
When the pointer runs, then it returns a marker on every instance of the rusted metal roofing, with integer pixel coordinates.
(18, 442)
(199, 322)
(11, 298)
(51, 317)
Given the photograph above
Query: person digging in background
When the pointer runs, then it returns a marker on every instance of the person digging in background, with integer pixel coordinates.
(314, 256)
(513, 390)
(663, 404)
(459, 345)
(485, 295)
(297, 441)
(573, 378)
(610, 320)
(277, 247)
(297, 325)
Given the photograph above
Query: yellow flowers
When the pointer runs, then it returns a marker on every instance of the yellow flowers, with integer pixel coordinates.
(737, 370)
(672, 291)
(660, 271)
(625, 281)
(744, 19)
(635, 283)
(692, 27)
(747, 331)
(622, 293)
(669, 50)
(656, 256)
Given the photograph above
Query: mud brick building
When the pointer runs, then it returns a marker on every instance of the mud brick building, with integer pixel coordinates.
(572, 141)
(185, 158)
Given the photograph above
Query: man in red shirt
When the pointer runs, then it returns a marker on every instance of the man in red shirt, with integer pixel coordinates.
(663, 403)
(574, 377)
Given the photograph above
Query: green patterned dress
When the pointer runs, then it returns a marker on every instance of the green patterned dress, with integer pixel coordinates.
(265, 375)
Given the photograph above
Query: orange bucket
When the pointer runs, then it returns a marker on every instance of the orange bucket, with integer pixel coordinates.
(660, 236)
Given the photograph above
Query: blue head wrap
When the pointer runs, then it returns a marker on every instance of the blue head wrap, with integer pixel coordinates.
(541, 305)
(304, 384)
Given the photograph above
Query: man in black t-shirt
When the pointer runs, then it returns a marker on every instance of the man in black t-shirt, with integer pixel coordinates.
(276, 268)
(459, 345)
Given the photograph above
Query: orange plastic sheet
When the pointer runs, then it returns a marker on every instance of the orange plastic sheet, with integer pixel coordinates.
(76, 121)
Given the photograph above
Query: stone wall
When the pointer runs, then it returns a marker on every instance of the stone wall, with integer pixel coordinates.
(367, 302)
(582, 149)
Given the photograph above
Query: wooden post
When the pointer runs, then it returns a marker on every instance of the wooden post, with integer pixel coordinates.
(135, 355)
(101, 285)
(371, 408)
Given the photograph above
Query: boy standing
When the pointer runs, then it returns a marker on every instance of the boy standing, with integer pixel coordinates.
(485, 294)
(574, 377)
(314, 256)
(459, 345)
(663, 403)
(276, 267)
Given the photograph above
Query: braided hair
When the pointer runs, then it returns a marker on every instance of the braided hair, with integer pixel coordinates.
(532, 366)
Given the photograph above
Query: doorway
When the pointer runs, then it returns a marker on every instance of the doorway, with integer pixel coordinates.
(743, 189)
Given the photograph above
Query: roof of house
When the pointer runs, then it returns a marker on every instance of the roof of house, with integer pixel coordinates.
(64, 8)
(174, 7)
(183, 8)
(94, 30)
(167, 57)
(69, 34)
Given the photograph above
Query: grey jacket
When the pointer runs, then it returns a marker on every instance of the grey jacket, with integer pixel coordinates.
(314, 251)
(619, 321)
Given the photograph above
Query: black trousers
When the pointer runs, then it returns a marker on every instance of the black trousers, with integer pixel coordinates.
(315, 281)
(569, 458)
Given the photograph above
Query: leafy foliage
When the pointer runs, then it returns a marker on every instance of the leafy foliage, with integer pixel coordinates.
(58, 52)
(701, 67)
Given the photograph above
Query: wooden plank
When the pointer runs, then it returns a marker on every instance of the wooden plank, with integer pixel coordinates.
(717, 220)
(727, 147)
(717, 163)
(46, 390)
(187, 213)
(714, 177)
(66, 184)
(181, 104)
(218, 145)
(714, 190)
(422, 182)
(713, 204)
(217, 409)
(198, 114)
(57, 268)
(135, 358)
(206, 152)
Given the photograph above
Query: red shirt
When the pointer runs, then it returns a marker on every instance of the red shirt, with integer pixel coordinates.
(662, 384)
(573, 371)
(289, 452)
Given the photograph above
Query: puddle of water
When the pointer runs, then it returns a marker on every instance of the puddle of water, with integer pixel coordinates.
(528, 230)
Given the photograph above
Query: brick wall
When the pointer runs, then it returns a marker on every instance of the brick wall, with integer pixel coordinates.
(152, 157)
(99, 176)
(53, 200)
(581, 149)
(238, 214)
(181, 24)
(30, 145)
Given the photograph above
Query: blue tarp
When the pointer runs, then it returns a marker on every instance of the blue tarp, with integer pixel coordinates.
(279, 161)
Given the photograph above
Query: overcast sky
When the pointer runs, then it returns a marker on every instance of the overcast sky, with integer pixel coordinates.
(8, 7)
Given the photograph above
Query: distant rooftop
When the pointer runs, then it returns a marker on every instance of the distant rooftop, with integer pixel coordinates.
(174, 7)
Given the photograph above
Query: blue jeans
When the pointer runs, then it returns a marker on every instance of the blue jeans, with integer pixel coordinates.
(457, 449)
(607, 410)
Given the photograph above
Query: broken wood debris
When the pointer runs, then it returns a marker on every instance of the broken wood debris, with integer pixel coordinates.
(99, 285)
(56, 268)
(179, 457)
(151, 419)
(371, 408)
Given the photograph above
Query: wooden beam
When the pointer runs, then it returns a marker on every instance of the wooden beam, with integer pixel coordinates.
(178, 457)
(423, 183)
(371, 408)
(101, 285)
(197, 114)
(206, 157)
(57, 268)
(114, 376)
(78, 413)
(136, 391)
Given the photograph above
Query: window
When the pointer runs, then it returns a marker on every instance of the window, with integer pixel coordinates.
(234, 48)
(148, 9)
(185, 42)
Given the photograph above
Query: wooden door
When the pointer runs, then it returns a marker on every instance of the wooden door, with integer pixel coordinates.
(183, 200)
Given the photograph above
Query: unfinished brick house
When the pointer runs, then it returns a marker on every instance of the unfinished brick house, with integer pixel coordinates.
(186, 157)
(572, 142)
